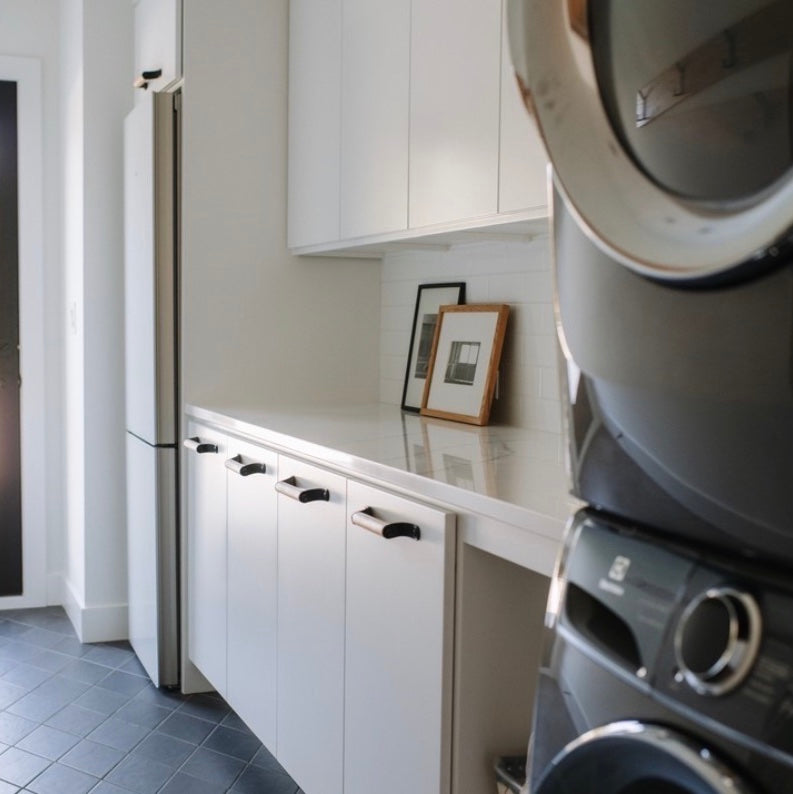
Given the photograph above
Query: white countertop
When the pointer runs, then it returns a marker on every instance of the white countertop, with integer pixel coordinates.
(508, 474)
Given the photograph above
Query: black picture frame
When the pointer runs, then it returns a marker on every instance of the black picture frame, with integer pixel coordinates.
(429, 299)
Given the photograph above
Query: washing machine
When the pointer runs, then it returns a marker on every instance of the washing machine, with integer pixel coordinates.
(669, 126)
(669, 669)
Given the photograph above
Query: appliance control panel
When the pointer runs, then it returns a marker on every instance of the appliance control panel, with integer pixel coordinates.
(710, 637)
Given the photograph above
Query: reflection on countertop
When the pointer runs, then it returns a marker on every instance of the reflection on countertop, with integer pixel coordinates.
(497, 471)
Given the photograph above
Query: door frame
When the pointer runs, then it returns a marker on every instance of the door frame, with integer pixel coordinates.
(26, 72)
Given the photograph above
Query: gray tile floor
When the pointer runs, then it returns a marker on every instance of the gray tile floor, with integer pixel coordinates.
(80, 718)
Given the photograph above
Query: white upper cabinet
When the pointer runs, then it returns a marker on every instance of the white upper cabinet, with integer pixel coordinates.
(405, 120)
(522, 162)
(454, 110)
(158, 40)
(314, 121)
(374, 128)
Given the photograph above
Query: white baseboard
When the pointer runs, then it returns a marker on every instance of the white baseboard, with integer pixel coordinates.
(102, 623)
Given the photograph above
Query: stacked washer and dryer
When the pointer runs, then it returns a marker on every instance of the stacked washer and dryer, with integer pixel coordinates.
(669, 655)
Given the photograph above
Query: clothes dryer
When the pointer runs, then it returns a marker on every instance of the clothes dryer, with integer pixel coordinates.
(669, 125)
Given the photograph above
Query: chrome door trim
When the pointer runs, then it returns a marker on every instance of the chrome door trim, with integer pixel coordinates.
(690, 754)
(632, 219)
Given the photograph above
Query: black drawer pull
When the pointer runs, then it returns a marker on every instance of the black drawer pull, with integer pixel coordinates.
(199, 446)
(365, 519)
(290, 488)
(236, 465)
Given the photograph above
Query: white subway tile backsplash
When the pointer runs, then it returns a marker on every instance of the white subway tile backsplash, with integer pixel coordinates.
(549, 383)
(395, 318)
(541, 350)
(512, 287)
(534, 319)
(393, 367)
(476, 288)
(540, 286)
(397, 293)
(414, 265)
(544, 415)
(394, 343)
(518, 273)
(390, 391)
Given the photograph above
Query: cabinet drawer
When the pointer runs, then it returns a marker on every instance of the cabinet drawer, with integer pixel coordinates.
(399, 623)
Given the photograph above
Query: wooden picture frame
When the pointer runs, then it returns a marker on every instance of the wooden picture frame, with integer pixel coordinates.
(429, 299)
(464, 362)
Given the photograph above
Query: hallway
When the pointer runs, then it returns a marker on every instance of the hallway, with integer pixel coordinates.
(80, 718)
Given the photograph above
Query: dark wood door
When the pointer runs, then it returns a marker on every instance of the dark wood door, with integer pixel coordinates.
(10, 479)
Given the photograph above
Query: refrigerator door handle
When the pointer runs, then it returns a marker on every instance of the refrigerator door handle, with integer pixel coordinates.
(237, 465)
(199, 446)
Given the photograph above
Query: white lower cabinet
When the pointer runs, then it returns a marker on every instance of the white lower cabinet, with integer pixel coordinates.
(311, 552)
(252, 589)
(399, 628)
(322, 609)
(206, 552)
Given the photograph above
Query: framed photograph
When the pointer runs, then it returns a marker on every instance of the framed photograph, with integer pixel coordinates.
(464, 362)
(429, 299)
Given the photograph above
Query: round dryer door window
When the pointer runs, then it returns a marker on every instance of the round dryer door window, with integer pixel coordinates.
(669, 124)
(633, 758)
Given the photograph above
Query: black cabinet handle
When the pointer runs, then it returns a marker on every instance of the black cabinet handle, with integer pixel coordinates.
(236, 465)
(199, 446)
(365, 519)
(290, 488)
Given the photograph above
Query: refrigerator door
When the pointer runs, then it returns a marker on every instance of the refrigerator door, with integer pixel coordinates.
(150, 269)
(151, 549)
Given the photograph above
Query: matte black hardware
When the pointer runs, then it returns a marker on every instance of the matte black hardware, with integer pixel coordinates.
(236, 465)
(145, 76)
(199, 446)
(290, 488)
(395, 529)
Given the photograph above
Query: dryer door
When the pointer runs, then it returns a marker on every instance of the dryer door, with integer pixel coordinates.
(634, 758)
(669, 124)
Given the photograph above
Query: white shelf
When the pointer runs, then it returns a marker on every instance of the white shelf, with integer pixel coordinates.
(521, 226)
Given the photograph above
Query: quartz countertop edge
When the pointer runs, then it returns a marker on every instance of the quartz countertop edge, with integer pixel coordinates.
(504, 473)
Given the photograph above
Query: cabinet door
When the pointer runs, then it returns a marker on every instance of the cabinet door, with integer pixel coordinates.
(158, 37)
(206, 553)
(314, 121)
(398, 647)
(454, 110)
(522, 164)
(252, 586)
(311, 549)
(375, 106)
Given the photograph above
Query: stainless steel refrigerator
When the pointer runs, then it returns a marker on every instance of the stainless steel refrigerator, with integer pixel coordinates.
(151, 283)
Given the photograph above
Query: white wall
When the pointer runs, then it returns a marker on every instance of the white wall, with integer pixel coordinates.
(96, 78)
(29, 28)
(108, 70)
(518, 273)
(70, 311)
(258, 323)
